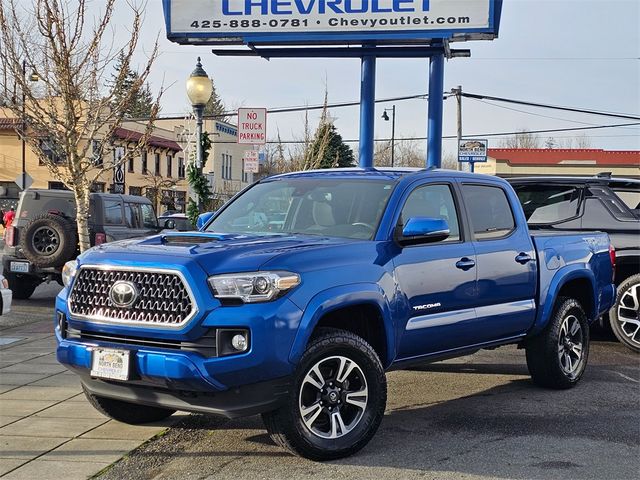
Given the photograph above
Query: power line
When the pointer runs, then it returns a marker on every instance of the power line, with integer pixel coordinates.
(553, 107)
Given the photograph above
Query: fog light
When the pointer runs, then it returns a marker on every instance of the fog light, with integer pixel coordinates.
(239, 342)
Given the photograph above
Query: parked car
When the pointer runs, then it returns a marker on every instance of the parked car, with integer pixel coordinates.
(176, 221)
(602, 203)
(44, 234)
(5, 296)
(371, 270)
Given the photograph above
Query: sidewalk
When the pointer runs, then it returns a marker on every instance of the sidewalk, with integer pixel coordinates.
(47, 428)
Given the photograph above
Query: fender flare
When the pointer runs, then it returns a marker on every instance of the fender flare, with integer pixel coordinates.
(339, 297)
(563, 276)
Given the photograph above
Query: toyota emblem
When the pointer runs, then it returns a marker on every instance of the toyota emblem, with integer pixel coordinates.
(123, 294)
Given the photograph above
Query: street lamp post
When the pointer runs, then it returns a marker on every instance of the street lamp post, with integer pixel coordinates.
(33, 78)
(199, 90)
(385, 116)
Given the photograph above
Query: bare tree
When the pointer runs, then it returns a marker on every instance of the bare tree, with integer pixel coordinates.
(71, 117)
(522, 139)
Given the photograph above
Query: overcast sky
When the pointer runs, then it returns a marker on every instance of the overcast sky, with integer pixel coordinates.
(578, 53)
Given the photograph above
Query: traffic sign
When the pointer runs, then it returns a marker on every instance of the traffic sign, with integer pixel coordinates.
(473, 151)
(28, 181)
(251, 161)
(252, 126)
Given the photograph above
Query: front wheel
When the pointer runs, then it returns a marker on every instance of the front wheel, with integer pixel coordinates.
(625, 314)
(337, 401)
(558, 356)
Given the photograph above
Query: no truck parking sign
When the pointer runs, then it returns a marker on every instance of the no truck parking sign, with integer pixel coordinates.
(252, 126)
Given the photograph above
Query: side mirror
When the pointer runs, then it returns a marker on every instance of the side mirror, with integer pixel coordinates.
(424, 230)
(170, 224)
(203, 218)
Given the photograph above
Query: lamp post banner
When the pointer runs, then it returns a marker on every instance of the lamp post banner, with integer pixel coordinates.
(300, 21)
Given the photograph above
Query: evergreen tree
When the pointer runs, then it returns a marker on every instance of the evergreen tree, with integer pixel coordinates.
(140, 106)
(215, 105)
(329, 150)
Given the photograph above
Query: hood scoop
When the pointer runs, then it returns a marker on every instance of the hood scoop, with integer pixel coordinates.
(189, 239)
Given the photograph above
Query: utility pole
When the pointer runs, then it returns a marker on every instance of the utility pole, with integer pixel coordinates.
(458, 94)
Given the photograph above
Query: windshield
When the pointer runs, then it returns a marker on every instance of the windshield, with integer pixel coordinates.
(311, 206)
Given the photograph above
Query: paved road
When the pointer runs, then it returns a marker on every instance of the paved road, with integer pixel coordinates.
(477, 417)
(471, 418)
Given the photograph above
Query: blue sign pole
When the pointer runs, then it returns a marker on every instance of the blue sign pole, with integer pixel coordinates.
(367, 110)
(436, 103)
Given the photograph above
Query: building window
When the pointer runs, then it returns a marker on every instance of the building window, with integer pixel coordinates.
(48, 149)
(157, 165)
(130, 162)
(245, 174)
(57, 186)
(98, 187)
(181, 168)
(226, 166)
(135, 191)
(169, 165)
(144, 162)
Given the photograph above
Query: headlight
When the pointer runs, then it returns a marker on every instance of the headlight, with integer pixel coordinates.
(69, 271)
(253, 287)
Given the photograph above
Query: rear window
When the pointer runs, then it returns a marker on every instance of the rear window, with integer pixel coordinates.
(631, 198)
(490, 212)
(543, 204)
(112, 212)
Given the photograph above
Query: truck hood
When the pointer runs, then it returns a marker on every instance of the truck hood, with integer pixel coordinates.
(214, 253)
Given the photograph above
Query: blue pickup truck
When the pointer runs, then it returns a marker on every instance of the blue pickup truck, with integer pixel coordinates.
(298, 295)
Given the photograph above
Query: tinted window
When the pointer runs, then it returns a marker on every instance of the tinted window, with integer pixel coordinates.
(489, 210)
(148, 216)
(435, 201)
(548, 203)
(112, 212)
(132, 215)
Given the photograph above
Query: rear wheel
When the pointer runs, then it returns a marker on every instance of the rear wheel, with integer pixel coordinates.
(126, 412)
(558, 356)
(22, 286)
(337, 401)
(625, 314)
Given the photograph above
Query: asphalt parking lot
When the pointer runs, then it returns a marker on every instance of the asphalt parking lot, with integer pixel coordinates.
(475, 417)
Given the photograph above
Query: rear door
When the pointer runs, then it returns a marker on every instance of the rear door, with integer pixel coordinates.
(113, 213)
(506, 263)
(438, 279)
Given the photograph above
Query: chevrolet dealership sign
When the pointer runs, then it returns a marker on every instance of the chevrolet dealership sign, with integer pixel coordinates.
(312, 21)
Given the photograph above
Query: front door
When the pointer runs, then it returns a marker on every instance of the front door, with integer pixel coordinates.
(438, 279)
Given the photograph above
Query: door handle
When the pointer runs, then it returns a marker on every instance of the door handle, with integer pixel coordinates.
(465, 264)
(523, 258)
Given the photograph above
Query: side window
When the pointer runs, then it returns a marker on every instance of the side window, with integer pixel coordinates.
(548, 203)
(132, 215)
(434, 201)
(489, 211)
(148, 216)
(112, 212)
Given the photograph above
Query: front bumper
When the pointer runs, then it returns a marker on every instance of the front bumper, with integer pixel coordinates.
(237, 402)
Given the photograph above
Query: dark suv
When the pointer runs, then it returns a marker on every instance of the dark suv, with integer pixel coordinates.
(602, 203)
(44, 234)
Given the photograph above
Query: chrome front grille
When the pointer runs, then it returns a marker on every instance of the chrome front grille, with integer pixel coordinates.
(163, 298)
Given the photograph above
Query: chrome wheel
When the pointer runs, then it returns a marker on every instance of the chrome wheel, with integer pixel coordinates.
(45, 241)
(628, 314)
(333, 397)
(570, 346)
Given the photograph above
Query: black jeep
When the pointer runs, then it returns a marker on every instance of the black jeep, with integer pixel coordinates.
(44, 234)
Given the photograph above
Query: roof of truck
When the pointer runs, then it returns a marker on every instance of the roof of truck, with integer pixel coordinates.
(388, 173)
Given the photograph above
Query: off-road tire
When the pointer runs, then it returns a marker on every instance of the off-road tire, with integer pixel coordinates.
(286, 426)
(22, 286)
(544, 351)
(628, 332)
(126, 412)
(49, 240)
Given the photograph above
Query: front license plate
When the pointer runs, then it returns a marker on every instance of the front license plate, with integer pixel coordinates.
(112, 364)
(19, 267)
